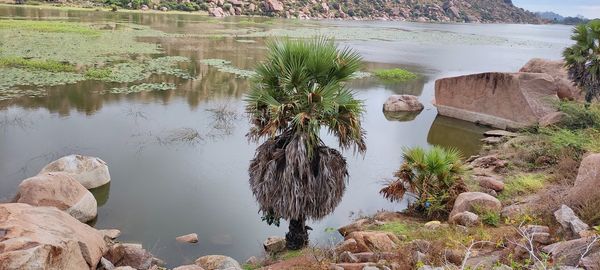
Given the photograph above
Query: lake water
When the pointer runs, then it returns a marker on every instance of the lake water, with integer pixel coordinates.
(164, 188)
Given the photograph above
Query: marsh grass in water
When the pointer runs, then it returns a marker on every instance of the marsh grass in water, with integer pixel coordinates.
(48, 65)
(396, 74)
(49, 27)
(225, 66)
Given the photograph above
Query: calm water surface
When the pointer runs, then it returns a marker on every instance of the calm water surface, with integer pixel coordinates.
(161, 189)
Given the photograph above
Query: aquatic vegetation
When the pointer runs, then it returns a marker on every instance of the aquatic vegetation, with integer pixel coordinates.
(98, 73)
(168, 65)
(49, 27)
(396, 74)
(143, 88)
(48, 65)
(74, 47)
(10, 77)
(225, 66)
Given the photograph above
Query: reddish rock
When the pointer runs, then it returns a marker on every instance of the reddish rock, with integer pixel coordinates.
(501, 100)
(587, 181)
(46, 238)
(357, 225)
(349, 245)
(466, 218)
(274, 5)
(490, 183)
(61, 191)
(556, 69)
(473, 201)
(216, 12)
(374, 241)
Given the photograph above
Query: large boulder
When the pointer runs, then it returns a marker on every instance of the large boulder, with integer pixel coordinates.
(61, 191)
(556, 69)
(46, 238)
(91, 172)
(474, 202)
(274, 244)
(402, 103)
(587, 181)
(501, 100)
(218, 262)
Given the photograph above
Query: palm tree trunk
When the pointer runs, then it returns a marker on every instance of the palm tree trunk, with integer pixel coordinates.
(297, 237)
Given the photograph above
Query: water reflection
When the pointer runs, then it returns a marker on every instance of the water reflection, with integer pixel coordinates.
(101, 194)
(450, 132)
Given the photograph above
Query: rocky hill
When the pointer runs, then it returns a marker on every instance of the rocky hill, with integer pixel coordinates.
(484, 11)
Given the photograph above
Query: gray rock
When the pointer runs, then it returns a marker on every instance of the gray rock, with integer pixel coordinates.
(402, 103)
(91, 172)
(568, 253)
(569, 221)
(106, 264)
(500, 133)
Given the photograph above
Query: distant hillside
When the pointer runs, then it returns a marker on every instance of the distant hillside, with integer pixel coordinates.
(485, 11)
(551, 17)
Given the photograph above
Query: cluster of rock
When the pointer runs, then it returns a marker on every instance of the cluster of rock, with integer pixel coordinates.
(43, 228)
(507, 100)
(422, 11)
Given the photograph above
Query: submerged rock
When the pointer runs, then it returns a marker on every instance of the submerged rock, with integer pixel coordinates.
(501, 100)
(61, 191)
(46, 238)
(91, 172)
(402, 103)
(188, 238)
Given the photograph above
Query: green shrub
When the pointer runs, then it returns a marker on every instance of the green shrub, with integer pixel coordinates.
(395, 74)
(488, 217)
(227, 6)
(579, 116)
(434, 176)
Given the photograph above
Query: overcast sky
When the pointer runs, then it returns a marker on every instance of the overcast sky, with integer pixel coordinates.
(587, 8)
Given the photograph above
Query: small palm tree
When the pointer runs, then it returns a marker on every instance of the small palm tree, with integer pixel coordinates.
(583, 58)
(297, 90)
(433, 176)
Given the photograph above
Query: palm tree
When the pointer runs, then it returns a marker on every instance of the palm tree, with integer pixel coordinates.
(583, 58)
(433, 176)
(297, 90)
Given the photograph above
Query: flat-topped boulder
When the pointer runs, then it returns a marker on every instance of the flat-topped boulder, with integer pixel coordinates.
(501, 100)
(46, 238)
(61, 191)
(91, 172)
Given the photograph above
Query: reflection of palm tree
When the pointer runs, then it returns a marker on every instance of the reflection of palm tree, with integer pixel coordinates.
(583, 58)
(298, 89)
